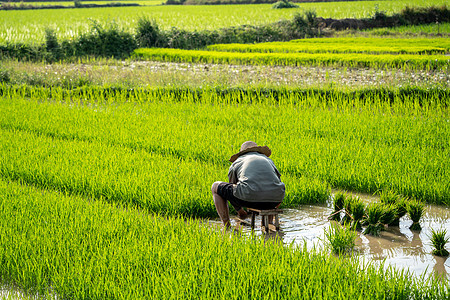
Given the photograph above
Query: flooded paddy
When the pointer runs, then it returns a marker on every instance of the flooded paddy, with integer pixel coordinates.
(396, 246)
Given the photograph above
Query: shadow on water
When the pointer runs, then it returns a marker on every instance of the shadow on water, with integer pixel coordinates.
(396, 246)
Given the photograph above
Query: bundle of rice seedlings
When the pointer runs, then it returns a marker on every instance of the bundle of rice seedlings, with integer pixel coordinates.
(357, 213)
(374, 213)
(415, 210)
(398, 201)
(341, 239)
(400, 206)
(388, 197)
(347, 218)
(338, 204)
(439, 240)
(389, 214)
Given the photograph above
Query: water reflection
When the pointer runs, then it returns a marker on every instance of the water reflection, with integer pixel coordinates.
(396, 246)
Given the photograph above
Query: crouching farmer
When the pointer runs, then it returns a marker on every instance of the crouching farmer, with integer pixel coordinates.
(254, 182)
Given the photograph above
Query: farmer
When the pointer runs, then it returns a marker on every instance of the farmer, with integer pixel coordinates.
(254, 182)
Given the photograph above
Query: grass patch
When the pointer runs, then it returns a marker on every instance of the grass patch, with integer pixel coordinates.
(341, 239)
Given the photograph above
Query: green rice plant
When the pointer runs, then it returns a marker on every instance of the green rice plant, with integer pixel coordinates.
(352, 140)
(344, 45)
(415, 210)
(399, 202)
(412, 30)
(358, 208)
(338, 205)
(439, 240)
(374, 212)
(404, 61)
(341, 239)
(162, 184)
(55, 245)
(401, 205)
(348, 210)
(388, 197)
(389, 214)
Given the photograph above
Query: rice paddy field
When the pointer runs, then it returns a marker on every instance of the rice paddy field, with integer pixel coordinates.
(29, 26)
(106, 166)
(71, 3)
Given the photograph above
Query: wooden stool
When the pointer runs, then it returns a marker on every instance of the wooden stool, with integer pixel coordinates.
(265, 226)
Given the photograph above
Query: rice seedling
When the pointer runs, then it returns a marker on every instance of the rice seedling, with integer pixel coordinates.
(374, 212)
(439, 240)
(341, 239)
(415, 210)
(338, 205)
(401, 207)
(358, 208)
(390, 198)
(348, 210)
(389, 214)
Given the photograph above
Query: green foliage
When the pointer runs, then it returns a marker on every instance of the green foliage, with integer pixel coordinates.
(341, 239)
(415, 210)
(425, 15)
(5, 76)
(22, 51)
(374, 212)
(148, 33)
(338, 204)
(347, 218)
(389, 214)
(17, 29)
(358, 209)
(102, 40)
(389, 197)
(156, 176)
(77, 248)
(439, 239)
(341, 135)
(282, 30)
(398, 202)
(284, 4)
(306, 25)
(52, 46)
(183, 39)
(110, 41)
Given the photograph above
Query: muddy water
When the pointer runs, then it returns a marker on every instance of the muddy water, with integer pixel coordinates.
(397, 246)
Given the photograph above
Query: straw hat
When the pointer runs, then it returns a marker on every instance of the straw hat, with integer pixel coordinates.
(250, 146)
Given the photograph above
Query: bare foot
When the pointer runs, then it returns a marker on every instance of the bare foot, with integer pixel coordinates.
(242, 214)
(227, 224)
